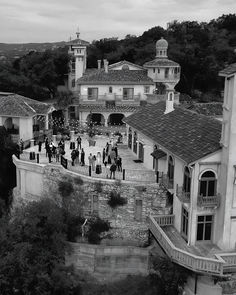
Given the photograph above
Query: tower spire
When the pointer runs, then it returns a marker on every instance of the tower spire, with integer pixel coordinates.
(77, 32)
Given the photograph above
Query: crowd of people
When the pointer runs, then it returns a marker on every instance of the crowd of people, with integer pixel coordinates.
(108, 159)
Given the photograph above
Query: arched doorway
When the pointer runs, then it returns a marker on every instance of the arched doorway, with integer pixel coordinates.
(96, 119)
(116, 119)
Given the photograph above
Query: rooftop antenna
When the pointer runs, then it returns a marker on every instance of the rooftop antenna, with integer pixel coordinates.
(77, 33)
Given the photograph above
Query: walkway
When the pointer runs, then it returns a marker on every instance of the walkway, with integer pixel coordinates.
(133, 171)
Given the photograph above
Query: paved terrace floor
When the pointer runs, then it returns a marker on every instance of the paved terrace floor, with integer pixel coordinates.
(202, 249)
(134, 171)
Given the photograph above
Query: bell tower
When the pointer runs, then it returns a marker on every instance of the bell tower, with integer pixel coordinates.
(78, 52)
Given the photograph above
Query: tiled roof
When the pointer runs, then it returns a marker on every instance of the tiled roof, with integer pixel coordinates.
(125, 77)
(20, 106)
(78, 42)
(208, 109)
(228, 71)
(184, 133)
(124, 62)
(158, 154)
(100, 108)
(160, 62)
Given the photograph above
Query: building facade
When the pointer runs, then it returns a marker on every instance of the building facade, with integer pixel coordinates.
(193, 157)
(109, 93)
(24, 118)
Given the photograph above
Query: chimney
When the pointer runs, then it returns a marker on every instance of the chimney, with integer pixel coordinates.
(99, 64)
(105, 65)
(169, 102)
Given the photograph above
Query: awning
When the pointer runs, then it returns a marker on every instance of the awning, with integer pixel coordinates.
(157, 154)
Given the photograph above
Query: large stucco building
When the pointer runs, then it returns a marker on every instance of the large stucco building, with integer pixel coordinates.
(194, 158)
(108, 93)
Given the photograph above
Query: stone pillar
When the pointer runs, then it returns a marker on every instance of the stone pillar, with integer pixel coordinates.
(31, 142)
(46, 122)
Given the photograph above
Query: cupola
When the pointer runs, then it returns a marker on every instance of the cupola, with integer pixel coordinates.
(161, 48)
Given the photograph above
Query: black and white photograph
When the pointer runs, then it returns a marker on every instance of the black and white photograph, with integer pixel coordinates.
(117, 147)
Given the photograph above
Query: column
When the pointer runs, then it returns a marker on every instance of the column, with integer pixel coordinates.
(46, 122)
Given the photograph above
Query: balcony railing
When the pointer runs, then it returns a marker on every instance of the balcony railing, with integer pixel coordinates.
(209, 201)
(182, 195)
(166, 181)
(193, 262)
(127, 97)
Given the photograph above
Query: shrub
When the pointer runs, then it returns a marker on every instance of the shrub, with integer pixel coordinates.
(78, 181)
(73, 227)
(98, 186)
(96, 227)
(93, 237)
(116, 200)
(65, 188)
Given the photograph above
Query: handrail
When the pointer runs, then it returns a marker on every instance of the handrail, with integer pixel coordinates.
(188, 260)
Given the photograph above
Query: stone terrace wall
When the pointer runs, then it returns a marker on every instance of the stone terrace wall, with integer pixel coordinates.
(126, 223)
(109, 260)
(124, 218)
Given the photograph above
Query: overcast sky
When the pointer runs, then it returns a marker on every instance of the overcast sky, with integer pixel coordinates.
(57, 20)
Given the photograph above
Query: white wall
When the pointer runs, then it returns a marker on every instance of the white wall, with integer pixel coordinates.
(26, 128)
(116, 89)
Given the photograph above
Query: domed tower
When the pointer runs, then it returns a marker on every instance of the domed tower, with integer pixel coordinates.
(164, 72)
(161, 48)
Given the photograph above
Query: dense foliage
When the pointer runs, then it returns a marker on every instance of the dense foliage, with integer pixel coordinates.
(36, 74)
(7, 170)
(32, 251)
(96, 227)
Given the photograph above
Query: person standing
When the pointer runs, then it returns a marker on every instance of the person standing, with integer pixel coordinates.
(79, 140)
(77, 156)
(113, 170)
(73, 157)
(98, 166)
(112, 156)
(40, 146)
(90, 159)
(82, 157)
(93, 162)
(49, 152)
(57, 154)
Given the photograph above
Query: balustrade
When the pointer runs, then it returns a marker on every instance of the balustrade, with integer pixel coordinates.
(182, 195)
(186, 259)
(209, 201)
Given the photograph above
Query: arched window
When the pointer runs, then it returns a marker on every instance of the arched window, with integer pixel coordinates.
(170, 172)
(110, 89)
(208, 184)
(135, 142)
(187, 180)
(170, 96)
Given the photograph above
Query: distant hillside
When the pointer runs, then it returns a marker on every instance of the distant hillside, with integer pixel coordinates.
(13, 51)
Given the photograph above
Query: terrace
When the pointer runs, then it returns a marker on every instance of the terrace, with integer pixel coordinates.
(132, 171)
(201, 258)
